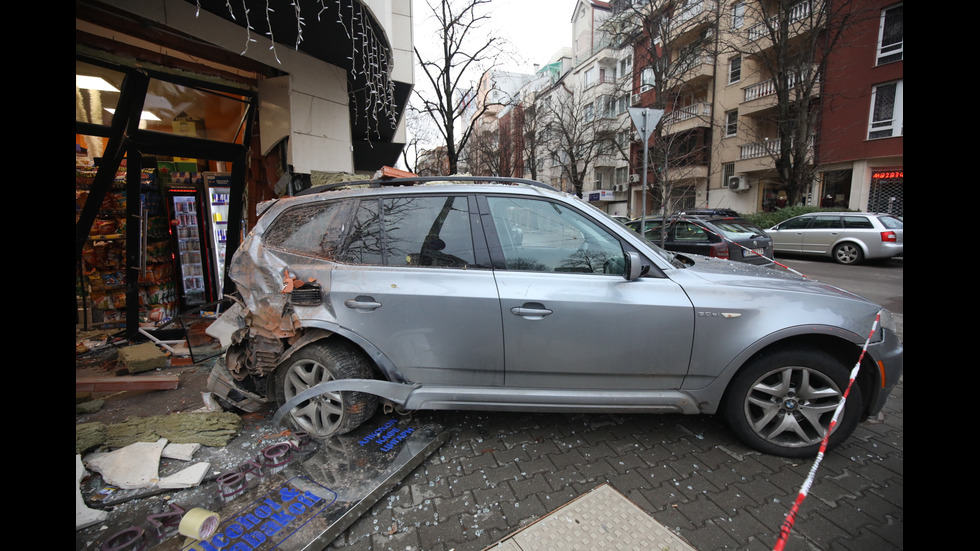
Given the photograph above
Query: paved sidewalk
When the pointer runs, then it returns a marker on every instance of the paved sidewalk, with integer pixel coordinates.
(500, 472)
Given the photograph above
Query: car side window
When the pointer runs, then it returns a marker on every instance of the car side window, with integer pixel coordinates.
(315, 229)
(688, 232)
(541, 236)
(826, 222)
(858, 222)
(795, 223)
(430, 231)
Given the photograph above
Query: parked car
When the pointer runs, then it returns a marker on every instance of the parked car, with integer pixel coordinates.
(508, 295)
(714, 233)
(847, 237)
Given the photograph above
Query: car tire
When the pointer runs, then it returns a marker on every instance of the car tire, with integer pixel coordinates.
(783, 401)
(333, 413)
(848, 253)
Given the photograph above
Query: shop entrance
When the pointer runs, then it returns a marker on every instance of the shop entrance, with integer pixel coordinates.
(160, 180)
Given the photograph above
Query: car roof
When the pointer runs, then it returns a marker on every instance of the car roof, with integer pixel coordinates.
(424, 180)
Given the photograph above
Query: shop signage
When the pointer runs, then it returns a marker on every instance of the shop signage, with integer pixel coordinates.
(601, 195)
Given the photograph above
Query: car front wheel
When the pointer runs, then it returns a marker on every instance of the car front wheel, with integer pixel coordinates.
(332, 413)
(783, 402)
(848, 253)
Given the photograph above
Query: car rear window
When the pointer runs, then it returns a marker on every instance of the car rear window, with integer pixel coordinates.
(858, 222)
(310, 230)
(737, 229)
(891, 222)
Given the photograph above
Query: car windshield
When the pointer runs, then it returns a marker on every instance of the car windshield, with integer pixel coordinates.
(738, 229)
(891, 222)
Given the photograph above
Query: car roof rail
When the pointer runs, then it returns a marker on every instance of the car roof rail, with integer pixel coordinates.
(415, 180)
(709, 212)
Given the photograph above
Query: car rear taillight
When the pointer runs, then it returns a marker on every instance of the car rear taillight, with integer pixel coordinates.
(719, 250)
(889, 237)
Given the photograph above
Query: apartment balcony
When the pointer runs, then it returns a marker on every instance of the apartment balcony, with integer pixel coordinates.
(759, 99)
(694, 17)
(759, 156)
(799, 21)
(697, 71)
(688, 174)
(687, 118)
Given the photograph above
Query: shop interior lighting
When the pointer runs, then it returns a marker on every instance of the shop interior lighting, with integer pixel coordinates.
(94, 83)
(144, 115)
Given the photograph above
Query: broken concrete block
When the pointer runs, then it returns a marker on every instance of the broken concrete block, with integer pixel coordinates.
(135, 466)
(142, 357)
(90, 406)
(186, 478)
(84, 516)
(89, 436)
(209, 429)
(183, 452)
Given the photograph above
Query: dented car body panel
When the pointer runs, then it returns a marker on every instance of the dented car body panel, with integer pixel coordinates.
(510, 297)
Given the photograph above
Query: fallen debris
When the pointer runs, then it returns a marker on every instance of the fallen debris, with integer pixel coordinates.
(142, 357)
(208, 429)
(84, 516)
(131, 467)
(113, 384)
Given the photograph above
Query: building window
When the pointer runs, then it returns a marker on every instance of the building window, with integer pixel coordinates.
(626, 66)
(621, 175)
(891, 35)
(886, 111)
(738, 15)
(727, 171)
(647, 77)
(734, 69)
(588, 79)
(589, 112)
(731, 123)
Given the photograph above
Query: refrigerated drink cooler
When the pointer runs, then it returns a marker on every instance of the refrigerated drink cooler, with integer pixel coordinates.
(194, 246)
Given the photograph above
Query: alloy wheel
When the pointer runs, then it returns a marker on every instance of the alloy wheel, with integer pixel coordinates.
(792, 406)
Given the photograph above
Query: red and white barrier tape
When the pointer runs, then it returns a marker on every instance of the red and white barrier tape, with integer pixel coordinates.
(787, 525)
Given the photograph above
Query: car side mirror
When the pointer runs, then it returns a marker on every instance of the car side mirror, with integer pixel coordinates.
(634, 268)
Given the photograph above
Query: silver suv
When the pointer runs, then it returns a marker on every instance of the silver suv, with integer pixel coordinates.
(508, 295)
(847, 237)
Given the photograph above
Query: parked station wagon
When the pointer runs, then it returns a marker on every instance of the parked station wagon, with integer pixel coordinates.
(504, 294)
(847, 237)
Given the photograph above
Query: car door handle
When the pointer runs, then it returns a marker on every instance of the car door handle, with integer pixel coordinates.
(531, 310)
(362, 303)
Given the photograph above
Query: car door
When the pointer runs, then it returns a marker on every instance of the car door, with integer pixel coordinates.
(412, 282)
(570, 319)
(788, 236)
(822, 233)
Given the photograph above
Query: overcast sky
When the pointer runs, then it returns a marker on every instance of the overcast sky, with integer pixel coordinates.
(536, 28)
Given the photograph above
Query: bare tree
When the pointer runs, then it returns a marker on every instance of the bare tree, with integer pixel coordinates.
(788, 42)
(670, 41)
(576, 132)
(464, 53)
(483, 154)
(420, 134)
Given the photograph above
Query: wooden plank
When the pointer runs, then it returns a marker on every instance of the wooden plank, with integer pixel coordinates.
(112, 384)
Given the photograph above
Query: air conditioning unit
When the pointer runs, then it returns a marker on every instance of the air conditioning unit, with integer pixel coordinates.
(634, 178)
(635, 99)
(619, 188)
(738, 182)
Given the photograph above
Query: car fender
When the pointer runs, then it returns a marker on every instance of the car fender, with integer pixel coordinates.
(315, 330)
(710, 392)
(861, 245)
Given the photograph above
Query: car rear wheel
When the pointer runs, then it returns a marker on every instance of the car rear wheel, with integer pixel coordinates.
(783, 402)
(848, 253)
(332, 413)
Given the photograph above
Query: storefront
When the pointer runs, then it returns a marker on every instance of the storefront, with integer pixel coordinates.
(180, 134)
